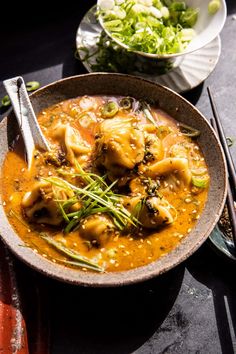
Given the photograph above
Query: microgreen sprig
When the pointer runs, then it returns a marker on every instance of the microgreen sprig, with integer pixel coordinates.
(96, 197)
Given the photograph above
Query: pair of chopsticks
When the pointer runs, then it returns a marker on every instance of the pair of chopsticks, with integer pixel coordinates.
(231, 192)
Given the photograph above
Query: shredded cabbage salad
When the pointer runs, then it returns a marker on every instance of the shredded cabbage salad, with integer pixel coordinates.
(149, 26)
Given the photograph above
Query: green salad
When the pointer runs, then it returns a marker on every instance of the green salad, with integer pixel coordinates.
(150, 26)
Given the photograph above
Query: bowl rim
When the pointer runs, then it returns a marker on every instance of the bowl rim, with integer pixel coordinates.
(165, 56)
(113, 279)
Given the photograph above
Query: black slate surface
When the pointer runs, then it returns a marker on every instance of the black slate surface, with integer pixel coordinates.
(192, 308)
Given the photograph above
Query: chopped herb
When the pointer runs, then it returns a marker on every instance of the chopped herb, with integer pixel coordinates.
(110, 109)
(78, 259)
(32, 86)
(188, 131)
(96, 197)
(5, 101)
(144, 107)
(110, 57)
(18, 217)
(126, 102)
(230, 141)
(200, 181)
(150, 28)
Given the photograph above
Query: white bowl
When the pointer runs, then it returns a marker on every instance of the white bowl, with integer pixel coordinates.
(207, 28)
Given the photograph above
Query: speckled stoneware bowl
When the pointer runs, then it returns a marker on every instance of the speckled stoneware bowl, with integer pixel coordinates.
(177, 107)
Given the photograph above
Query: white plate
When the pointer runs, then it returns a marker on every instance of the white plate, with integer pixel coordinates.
(188, 71)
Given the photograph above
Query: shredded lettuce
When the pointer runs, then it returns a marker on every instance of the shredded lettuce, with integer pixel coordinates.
(150, 26)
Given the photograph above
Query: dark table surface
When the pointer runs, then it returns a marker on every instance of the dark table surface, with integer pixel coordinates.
(192, 308)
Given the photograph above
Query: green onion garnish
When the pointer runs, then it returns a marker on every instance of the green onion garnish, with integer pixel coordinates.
(32, 85)
(78, 259)
(95, 197)
(188, 131)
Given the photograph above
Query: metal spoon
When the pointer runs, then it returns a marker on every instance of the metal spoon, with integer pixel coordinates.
(28, 124)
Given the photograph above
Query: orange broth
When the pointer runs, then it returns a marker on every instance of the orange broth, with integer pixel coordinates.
(124, 250)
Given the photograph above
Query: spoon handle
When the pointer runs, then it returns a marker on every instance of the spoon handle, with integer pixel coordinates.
(28, 124)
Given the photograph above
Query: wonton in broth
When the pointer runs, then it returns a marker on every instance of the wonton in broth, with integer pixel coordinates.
(122, 184)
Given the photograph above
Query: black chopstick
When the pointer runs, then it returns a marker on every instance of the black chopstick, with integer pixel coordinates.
(216, 124)
(220, 131)
(229, 199)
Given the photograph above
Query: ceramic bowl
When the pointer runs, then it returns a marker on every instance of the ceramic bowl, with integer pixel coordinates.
(207, 28)
(173, 104)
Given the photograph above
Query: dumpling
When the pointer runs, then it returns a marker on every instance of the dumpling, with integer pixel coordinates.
(152, 213)
(39, 204)
(71, 142)
(97, 229)
(171, 165)
(120, 145)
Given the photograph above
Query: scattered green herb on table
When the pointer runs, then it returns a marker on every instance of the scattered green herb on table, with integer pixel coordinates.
(230, 141)
(30, 86)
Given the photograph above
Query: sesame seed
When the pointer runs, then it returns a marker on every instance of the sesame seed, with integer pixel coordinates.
(187, 200)
(189, 230)
(140, 246)
(149, 242)
(4, 203)
(131, 239)
(112, 261)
